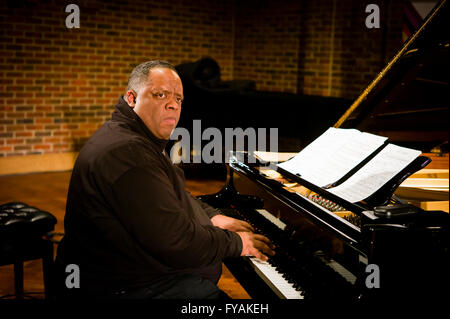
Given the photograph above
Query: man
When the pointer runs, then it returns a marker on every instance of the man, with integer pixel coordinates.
(130, 226)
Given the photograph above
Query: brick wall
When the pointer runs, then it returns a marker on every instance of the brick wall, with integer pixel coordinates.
(267, 44)
(359, 53)
(59, 85)
(314, 47)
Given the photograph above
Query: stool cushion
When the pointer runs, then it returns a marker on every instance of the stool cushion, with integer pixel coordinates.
(19, 220)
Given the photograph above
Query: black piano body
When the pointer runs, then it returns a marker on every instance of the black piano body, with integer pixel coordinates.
(344, 251)
(366, 255)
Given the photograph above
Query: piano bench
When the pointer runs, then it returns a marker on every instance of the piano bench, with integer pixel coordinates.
(23, 231)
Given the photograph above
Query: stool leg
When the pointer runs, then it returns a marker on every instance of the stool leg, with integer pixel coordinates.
(18, 279)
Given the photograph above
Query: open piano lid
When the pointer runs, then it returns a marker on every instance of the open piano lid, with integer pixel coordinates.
(408, 100)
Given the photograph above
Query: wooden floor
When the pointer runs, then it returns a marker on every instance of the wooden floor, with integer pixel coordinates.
(48, 192)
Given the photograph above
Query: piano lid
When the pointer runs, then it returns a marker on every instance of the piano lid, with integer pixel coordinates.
(408, 100)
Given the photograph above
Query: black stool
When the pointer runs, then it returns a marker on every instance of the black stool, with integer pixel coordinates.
(23, 231)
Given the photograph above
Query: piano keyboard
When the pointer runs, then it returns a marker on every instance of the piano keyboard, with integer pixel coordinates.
(342, 271)
(268, 273)
(272, 218)
(275, 280)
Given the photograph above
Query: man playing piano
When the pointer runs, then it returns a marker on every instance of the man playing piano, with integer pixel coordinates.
(131, 228)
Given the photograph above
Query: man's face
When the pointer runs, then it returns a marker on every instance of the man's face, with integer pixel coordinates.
(158, 103)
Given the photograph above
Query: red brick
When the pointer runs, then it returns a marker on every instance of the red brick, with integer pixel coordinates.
(44, 147)
(281, 45)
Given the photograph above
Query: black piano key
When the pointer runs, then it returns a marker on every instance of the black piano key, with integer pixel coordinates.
(294, 259)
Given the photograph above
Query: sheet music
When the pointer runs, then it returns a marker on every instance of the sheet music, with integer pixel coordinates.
(332, 155)
(377, 172)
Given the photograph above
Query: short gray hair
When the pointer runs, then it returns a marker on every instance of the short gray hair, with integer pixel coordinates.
(139, 75)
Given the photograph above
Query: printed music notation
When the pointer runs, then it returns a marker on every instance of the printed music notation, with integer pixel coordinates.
(338, 152)
(377, 172)
(332, 155)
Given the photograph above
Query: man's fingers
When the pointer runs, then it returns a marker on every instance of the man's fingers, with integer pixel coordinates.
(247, 226)
(264, 245)
(256, 245)
(261, 256)
(232, 224)
(265, 240)
(265, 249)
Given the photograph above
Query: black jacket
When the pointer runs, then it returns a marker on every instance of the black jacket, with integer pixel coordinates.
(129, 220)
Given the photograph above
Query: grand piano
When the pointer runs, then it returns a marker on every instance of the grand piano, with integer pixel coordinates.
(385, 248)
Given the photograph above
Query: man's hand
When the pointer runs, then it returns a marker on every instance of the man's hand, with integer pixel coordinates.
(231, 224)
(252, 244)
(256, 245)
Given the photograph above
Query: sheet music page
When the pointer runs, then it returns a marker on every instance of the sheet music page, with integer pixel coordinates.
(332, 155)
(377, 172)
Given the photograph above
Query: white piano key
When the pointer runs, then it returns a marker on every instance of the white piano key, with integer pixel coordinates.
(272, 218)
(342, 271)
(275, 280)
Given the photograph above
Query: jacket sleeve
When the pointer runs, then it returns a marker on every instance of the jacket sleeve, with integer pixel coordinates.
(209, 210)
(149, 210)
